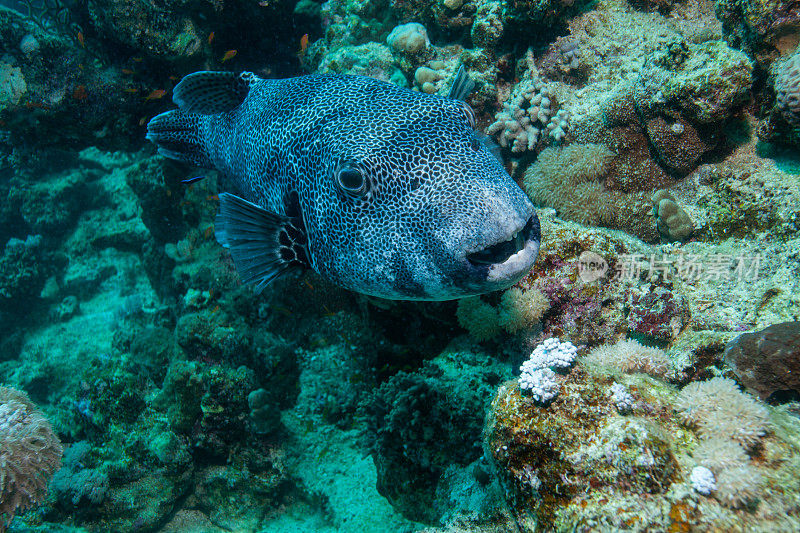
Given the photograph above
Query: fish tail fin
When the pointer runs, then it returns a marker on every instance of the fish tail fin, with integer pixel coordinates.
(177, 135)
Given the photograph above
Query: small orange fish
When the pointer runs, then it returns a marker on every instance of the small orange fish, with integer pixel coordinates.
(174, 78)
(216, 308)
(143, 121)
(230, 54)
(127, 71)
(155, 94)
(212, 197)
(80, 39)
(303, 43)
(208, 232)
(210, 37)
(131, 90)
(138, 59)
(309, 285)
(79, 93)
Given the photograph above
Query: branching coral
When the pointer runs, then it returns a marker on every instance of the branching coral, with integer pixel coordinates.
(703, 480)
(527, 115)
(621, 398)
(30, 454)
(536, 374)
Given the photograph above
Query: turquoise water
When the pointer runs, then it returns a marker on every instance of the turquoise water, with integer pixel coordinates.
(561, 296)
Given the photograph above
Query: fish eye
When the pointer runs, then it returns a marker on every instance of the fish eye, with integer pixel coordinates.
(351, 181)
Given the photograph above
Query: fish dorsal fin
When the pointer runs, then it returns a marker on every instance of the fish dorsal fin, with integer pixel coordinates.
(210, 92)
(263, 244)
(462, 85)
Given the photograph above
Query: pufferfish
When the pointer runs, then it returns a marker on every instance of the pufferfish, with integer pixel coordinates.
(382, 190)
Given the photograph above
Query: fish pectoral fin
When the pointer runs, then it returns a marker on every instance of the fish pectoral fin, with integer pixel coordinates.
(490, 145)
(263, 244)
(462, 85)
(210, 92)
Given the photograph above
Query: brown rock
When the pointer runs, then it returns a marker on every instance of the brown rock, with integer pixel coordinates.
(767, 362)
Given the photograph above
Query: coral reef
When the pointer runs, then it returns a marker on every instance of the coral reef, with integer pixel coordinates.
(571, 180)
(583, 459)
(604, 391)
(761, 26)
(30, 453)
(787, 89)
(420, 423)
(529, 114)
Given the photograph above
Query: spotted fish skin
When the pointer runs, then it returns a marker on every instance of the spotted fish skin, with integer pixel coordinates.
(386, 191)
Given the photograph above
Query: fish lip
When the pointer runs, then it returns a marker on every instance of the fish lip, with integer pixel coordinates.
(508, 251)
(517, 265)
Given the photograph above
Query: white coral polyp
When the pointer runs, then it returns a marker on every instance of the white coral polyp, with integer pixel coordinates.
(621, 398)
(536, 374)
(541, 384)
(552, 353)
(703, 480)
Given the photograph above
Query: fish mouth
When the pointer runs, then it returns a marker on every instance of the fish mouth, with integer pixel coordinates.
(504, 263)
(516, 249)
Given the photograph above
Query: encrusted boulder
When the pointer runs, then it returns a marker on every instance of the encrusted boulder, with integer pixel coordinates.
(551, 458)
(767, 362)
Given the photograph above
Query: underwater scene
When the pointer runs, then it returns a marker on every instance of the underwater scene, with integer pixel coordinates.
(441, 266)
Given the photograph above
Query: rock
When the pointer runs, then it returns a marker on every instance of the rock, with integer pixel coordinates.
(409, 38)
(767, 362)
(548, 459)
(787, 89)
